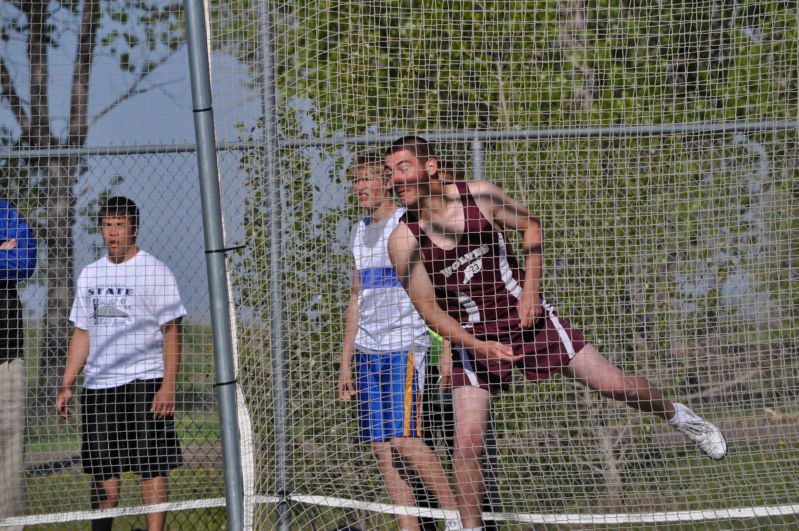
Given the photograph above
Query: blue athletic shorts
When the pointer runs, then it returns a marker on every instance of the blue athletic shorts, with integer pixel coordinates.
(389, 388)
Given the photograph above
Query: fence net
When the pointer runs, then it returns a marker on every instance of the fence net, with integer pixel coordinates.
(656, 142)
(671, 249)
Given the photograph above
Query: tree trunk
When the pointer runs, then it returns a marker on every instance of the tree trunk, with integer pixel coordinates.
(58, 179)
(610, 465)
(574, 40)
(57, 235)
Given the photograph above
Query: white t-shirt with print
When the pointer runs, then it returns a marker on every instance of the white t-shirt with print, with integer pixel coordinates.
(123, 306)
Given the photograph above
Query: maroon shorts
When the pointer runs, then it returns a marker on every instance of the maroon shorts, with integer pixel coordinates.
(546, 349)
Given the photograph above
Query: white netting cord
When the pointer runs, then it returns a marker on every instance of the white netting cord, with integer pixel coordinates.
(655, 142)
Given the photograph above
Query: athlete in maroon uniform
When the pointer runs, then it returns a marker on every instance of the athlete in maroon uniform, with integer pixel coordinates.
(479, 283)
(452, 258)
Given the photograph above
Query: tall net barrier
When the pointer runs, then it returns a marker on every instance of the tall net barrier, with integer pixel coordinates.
(657, 144)
(93, 106)
(655, 141)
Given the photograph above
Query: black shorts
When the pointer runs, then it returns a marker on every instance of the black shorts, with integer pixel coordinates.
(120, 433)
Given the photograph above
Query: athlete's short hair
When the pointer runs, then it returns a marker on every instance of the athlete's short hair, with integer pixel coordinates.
(119, 207)
(421, 148)
(370, 161)
(448, 170)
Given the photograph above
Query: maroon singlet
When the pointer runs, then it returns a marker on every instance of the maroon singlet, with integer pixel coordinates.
(479, 283)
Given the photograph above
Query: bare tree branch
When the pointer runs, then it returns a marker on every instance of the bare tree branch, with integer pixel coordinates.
(79, 102)
(170, 96)
(122, 98)
(9, 92)
(135, 89)
(20, 5)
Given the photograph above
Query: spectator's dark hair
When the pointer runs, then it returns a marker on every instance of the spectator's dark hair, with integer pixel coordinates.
(421, 148)
(119, 207)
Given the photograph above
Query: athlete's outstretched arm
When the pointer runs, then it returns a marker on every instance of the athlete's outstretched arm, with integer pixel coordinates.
(505, 212)
(405, 254)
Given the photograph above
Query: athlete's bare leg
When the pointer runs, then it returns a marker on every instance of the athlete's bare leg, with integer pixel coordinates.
(399, 492)
(592, 369)
(427, 465)
(471, 406)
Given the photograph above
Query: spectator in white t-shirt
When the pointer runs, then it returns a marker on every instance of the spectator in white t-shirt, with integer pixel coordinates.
(127, 313)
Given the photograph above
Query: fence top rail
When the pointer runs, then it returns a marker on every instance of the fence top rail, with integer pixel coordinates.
(572, 132)
(121, 151)
(441, 136)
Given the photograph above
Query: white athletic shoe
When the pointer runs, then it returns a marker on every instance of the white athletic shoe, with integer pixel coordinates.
(453, 524)
(706, 435)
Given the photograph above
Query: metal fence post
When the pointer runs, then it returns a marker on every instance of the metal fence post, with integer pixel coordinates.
(274, 221)
(491, 460)
(215, 258)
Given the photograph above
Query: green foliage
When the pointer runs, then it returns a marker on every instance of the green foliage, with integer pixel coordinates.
(195, 380)
(433, 65)
(142, 33)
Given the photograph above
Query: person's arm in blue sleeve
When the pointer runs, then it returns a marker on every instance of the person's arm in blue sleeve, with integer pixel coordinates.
(18, 261)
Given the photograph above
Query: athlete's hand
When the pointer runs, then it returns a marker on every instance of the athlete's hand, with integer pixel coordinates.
(529, 309)
(445, 374)
(346, 390)
(8, 245)
(62, 403)
(163, 402)
(494, 352)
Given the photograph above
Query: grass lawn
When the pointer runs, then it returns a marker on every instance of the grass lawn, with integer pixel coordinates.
(51, 441)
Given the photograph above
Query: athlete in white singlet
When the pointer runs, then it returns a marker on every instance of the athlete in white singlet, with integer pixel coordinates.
(388, 342)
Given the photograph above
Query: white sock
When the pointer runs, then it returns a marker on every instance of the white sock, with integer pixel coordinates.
(473, 529)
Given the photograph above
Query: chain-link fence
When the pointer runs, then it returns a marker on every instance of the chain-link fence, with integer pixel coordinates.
(655, 141)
